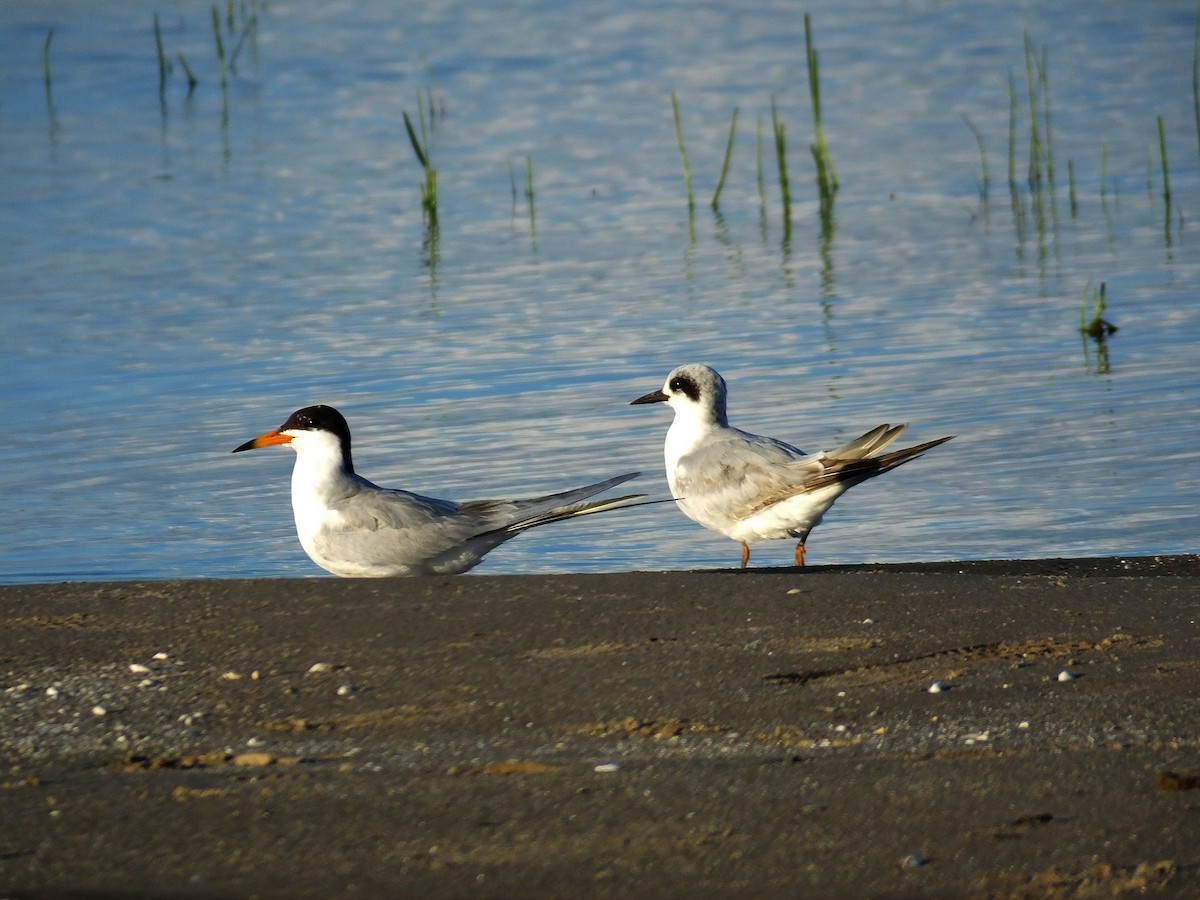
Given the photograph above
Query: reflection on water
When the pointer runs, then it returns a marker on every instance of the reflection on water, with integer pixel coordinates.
(1095, 330)
(185, 264)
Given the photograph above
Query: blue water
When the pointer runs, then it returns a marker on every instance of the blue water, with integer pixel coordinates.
(179, 273)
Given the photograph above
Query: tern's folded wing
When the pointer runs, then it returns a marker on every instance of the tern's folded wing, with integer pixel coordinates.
(395, 527)
(741, 476)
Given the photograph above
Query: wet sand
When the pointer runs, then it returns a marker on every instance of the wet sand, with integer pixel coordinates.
(760, 734)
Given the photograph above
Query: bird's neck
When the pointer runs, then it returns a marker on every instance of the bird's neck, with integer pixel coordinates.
(318, 479)
(685, 434)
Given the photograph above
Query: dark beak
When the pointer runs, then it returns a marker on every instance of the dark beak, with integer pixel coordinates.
(652, 397)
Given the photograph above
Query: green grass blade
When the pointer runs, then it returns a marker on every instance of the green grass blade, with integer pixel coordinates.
(785, 193)
(415, 141)
(683, 156)
(187, 70)
(1035, 143)
(985, 182)
(46, 60)
(758, 155)
(512, 181)
(420, 145)
(810, 55)
(1162, 150)
(1071, 188)
(827, 183)
(529, 193)
(216, 21)
(250, 26)
(1012, 132)
(1196, 75)
(163, 65)
(1048, 144)
(778, 128)
(725, 163)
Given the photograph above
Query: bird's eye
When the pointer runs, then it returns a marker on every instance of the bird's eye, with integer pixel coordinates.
(682, 384)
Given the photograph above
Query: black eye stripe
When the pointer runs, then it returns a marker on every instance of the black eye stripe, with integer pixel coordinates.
(682, 384)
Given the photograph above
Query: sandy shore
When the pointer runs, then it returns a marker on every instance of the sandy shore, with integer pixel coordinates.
(771, 733)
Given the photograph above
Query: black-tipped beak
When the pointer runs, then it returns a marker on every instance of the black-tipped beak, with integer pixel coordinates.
(652, 397)
(264, 440)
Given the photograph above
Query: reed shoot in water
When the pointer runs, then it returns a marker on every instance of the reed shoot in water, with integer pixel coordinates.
(827, 183)
(725, 163)
(785, 193)
(683, 155)
(420, 145)
(216, 21)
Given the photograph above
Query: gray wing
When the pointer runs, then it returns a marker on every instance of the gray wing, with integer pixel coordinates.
(737, 472)
(750, 473)
(385, 526)
(382, 526)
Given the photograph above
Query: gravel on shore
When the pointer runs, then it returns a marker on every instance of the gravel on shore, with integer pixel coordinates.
(985, 729)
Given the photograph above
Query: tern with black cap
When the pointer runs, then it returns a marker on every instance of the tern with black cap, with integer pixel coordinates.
(356, 529)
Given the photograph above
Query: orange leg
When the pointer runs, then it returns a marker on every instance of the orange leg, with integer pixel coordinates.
(800, 553)
(745, 554)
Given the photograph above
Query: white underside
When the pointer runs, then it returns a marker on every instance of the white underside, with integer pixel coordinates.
(792, 517)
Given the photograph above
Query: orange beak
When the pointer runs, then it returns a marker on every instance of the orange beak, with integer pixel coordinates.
(265, 440)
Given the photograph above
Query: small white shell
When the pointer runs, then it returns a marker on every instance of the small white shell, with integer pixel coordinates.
(1067, 675)
(937, 687)
(138, 669)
